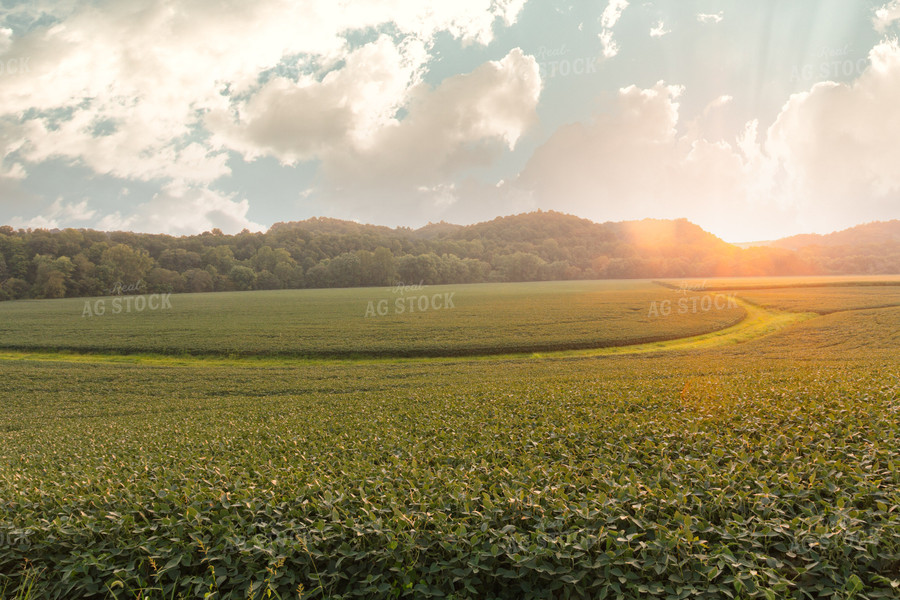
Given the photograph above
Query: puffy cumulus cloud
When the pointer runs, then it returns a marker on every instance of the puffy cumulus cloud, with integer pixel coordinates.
(418, 167)
(304, 119)
(469, 20)
(828, 159)
(184, 210)
(57, 216)
(638, 159)
(349, 120)
(838, 144)
(38, 222)
(121, 150)
(886, 15)
(611, 15)
(623, 154)
(465, 122)
(123, 87)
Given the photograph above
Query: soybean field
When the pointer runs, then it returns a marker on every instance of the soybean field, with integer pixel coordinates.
(286, 445)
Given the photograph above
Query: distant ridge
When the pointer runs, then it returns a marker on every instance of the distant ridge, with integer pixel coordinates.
(877, 232)
(324, 252)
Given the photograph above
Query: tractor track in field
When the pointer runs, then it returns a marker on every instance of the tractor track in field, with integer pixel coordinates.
(758, 322)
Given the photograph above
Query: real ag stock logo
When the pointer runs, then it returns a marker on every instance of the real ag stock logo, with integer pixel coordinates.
(829, 64)
(558, 62)
(692, 304)
(409, 304)
(126, 304)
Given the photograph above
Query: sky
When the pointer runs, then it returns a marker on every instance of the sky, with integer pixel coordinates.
(755, 120)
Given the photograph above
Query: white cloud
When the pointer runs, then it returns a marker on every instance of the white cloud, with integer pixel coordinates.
(116, 222)
(602, 162)
(608, 20)
(15, 171)
(720, 102)
(659, 30)
(349, 120)
(184, 210)
(38, 222)
(612, 13)
(711, 17)
(465, 122)
(441, 196)
(133, 151)
(124, 87)
(305, 119)
(38, 10)
(638, 159)
(838, 144)
(508, 10)
(828, 159)
(886, 15)
(419, 168)
(57, 216)
(5, 39)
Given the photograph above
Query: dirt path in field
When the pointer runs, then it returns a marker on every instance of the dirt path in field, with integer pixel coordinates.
(758, 322)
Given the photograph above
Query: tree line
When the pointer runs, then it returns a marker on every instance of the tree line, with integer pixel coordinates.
(321, 253)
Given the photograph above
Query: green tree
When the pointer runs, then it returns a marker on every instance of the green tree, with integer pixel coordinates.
(85, 281)
(290, 276)
(379, 268)
(180, 260)
(13, 250)
(267, 281)
(264, 259)
(423, 268)
(123, 264)
(220, 257)
(52, 276)
(345, 270)
(477, 271)
(15, 288)
(520, 267)
(243, 277)
(165, 280)
(198, 280)
(317, 276)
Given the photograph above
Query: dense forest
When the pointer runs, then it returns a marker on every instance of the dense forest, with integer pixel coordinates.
(320, 252)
